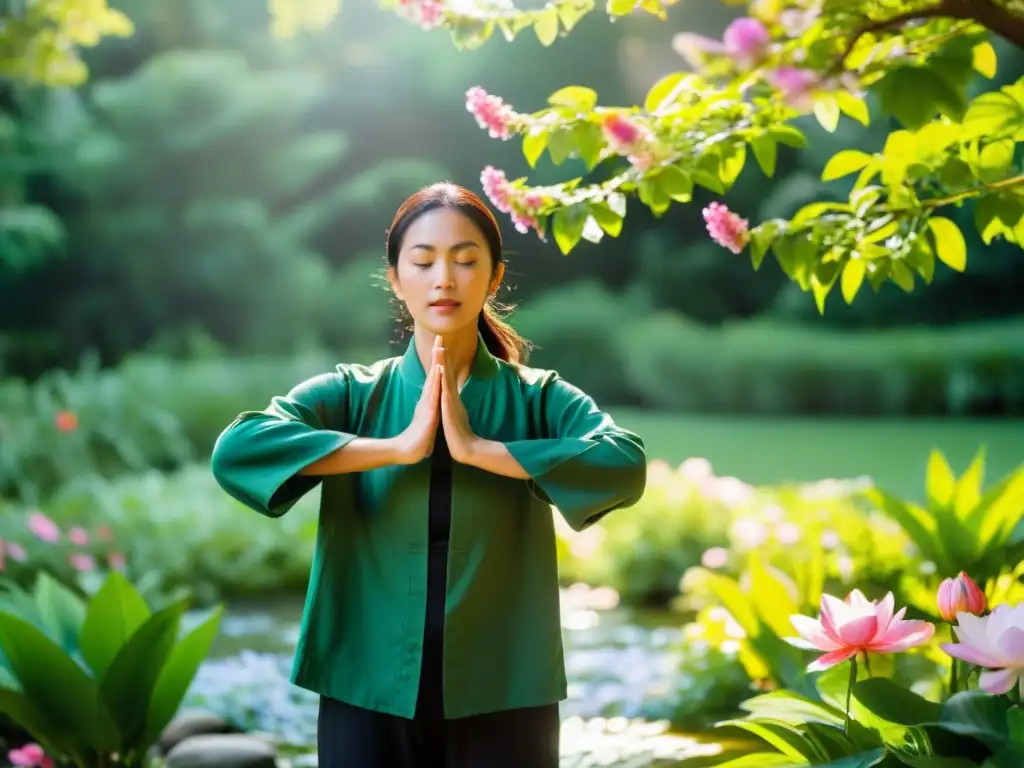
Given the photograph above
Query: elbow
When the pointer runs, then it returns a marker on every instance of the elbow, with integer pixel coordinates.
(634, 478)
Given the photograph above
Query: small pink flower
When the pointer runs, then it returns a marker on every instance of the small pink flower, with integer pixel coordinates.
(846, 628)
(43, 527)
(116, 560)
(81, 562)
(715, 557)
(796, 85)
(522, 208)
(628, 139)
(66, 421)
(995, 642)
(77, 535)
(746, 40)
(2, 556)
(960, 595)
(104, 532)
(30, 756)
(726, 228)
(16, 552)
(426, 14)
(491, 113)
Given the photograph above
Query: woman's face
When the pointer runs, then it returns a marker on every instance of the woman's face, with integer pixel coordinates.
(445, 271)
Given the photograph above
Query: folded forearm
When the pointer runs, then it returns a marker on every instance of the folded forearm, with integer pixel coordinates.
(360, 455)
(492, 456)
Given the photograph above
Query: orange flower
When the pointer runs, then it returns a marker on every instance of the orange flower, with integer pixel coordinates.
(66, 421)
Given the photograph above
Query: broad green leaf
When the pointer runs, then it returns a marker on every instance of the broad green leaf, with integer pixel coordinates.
(609, 221)
(732, 163)
(940, 482)
(18, 706)
(113, 615)
(568, 225)
(826, 110)
(950, 245)
(976, 714)
(178, 673)
(894, 703)
(789, 707)
(935, 761)
(993, 115)
(762, 760)
(534, 144)
(853, 277)
(546, 25)
(765, 152)
(773, 601)
(844, 163)
(734, 601)
(661, 90)
(994, 160)
(575, 97)
(676, 183)
(853, 106)
(999, 511)
(918, 524)
(61, 611)
(997, 215)
(128, 683)
(788, 135)
(984, 59)
(621, 7)
(863, 760)
(64, 695)
(968, 487)
(788, 741)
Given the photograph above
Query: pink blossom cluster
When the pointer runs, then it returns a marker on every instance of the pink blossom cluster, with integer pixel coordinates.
(726, 228)
(522, 207)
(426, 14)
(491, 113)
(47, 531)
(628, 139)
(29, 756)
(746, 40)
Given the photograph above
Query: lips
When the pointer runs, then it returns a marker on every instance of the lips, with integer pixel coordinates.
(445, 303)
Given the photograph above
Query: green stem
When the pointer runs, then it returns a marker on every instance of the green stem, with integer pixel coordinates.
(995, 186)
(952, 678)
(867, 663)
(849, 693)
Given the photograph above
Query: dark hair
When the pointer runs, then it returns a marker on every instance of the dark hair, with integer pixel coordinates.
(501, 338)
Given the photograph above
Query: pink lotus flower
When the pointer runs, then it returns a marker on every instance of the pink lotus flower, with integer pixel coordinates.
(726, 228)
(995, 642)
(43, 527)
(78, 535)
(960, 595)
(29, 756)
(856, 625)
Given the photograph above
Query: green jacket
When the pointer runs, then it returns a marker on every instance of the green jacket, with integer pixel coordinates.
(361, 634)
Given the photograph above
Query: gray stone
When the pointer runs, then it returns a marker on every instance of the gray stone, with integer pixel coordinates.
(192, 722)
(233, 750)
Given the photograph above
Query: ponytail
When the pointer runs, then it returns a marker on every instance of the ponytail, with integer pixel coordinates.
(501, 339)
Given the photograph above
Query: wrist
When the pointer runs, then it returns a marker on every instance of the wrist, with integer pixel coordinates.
(398, 450)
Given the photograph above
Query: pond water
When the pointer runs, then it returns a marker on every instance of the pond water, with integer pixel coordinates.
(631, 674)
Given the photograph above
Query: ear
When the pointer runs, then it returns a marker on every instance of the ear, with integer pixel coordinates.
(499, 273)
(396, 287)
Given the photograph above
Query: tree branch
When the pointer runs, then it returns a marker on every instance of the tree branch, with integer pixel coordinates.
(994, 17)
(996, 186)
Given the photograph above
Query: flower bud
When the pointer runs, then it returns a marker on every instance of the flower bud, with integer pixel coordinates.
(960, 595)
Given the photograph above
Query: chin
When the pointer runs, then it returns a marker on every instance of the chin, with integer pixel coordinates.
(446, 325)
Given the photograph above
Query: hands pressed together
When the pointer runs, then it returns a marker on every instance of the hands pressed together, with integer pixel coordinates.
(440, 400)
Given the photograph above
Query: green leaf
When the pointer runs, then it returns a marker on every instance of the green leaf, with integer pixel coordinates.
(653, 196)
(661, 90)
(894, 703)
(993, 115)
(844, 163)
(919, 525)
(765, 152)
(999, 512)
(915, 94)
(994, 160)
(774, 603)
(791, 708)
(575, 97)
(67, 698)
(863, 760)
(676, 183)
(788, 135)
(20, 708)
(621, 7)
(968, 487)
(976, 714)
(115, 612)
(762, 760)
(826, 110)
(534, 144)
(853, 277)
(592, 231)
(733, 160)
(902, 276)
(177, 674)
(853, 107)
(788, 741)
(546, 25)
(568, 226)
(984, 59)
(128, 683)
(949, 243)
(997, 216)
(61, 611)
(940, 482)
(607, 219)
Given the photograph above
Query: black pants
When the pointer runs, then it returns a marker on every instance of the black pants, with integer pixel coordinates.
(351, 737)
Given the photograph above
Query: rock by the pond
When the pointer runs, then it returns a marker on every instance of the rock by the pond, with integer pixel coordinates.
(192, 722)
(232, 750)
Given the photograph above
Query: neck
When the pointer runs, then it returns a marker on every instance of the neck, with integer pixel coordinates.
(460, 350)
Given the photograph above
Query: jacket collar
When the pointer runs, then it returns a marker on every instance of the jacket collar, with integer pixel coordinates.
(485, 367)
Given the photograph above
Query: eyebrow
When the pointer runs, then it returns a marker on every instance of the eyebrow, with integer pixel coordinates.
(465, 244)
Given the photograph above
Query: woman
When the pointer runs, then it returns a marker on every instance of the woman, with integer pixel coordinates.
(431, 626)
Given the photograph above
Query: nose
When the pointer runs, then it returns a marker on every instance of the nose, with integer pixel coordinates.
(444, 274)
